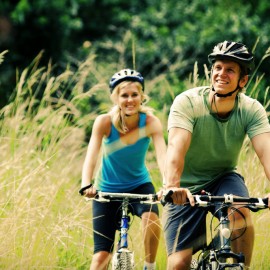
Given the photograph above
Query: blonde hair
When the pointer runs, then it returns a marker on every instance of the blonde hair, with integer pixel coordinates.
(117, 116)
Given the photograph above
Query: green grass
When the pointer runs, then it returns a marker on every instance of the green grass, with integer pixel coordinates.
(44, 223)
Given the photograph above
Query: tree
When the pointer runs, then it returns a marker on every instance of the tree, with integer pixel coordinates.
(151, 35)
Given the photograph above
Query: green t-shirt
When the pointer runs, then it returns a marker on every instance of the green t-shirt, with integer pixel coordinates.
(216, 143)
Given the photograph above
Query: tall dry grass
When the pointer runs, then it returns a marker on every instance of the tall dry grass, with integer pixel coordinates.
(44, 224)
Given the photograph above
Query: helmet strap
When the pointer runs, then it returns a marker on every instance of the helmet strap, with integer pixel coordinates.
(225, 95)
(122, 121)
(228, 94)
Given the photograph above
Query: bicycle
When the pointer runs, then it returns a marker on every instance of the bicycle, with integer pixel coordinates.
(123, 257)
(216, 255)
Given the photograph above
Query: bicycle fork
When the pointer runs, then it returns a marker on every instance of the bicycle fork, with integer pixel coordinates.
(123, 243)
(123, 257)
(225, 245)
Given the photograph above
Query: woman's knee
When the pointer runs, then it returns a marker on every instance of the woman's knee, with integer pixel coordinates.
(100, 260)
(150, 216)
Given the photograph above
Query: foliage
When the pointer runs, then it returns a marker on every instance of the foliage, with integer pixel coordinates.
(47, 119)
(153, 36)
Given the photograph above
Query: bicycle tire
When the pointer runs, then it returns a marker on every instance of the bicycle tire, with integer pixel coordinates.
(208, 266)
(123, 261)
(194, 264)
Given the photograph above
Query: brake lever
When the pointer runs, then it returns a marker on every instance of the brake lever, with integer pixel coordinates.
(167, 198)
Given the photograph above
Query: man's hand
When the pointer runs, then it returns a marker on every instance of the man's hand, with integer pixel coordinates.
(268, 196)
(179, 195)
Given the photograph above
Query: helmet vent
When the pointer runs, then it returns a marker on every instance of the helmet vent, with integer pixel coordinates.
(126, 75)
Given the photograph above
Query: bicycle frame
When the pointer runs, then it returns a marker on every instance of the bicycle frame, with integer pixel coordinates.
(123, 258)
(124, 225)
(123, 255)
(216, 259)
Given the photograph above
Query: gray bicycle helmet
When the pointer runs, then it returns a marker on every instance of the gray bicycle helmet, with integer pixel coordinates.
(234, 51)
(126, 75)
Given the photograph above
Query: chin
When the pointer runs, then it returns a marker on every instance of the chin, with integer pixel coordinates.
(129, 114)
(222, 90)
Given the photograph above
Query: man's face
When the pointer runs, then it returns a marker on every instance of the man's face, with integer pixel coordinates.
(226, 76)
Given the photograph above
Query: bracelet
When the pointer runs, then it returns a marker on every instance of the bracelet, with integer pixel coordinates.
(81, 191)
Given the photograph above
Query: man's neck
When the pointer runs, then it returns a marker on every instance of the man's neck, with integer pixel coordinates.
(222, 106)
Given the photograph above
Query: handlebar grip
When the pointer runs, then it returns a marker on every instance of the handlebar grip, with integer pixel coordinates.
(81, 191)
(167, 198)
(258, 204)
(265, 201)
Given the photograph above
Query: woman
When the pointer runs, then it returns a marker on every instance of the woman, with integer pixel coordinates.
(124, 135)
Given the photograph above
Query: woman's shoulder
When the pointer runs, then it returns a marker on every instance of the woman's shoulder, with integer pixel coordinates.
(153, 123)
(150, 118)
(103, 123)
(104, 118)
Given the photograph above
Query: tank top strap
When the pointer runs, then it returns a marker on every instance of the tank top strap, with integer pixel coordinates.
(142, 125)
(114, 135)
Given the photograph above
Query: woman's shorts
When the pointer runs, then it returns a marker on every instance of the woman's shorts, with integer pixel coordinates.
(107, 217)
(185, 226)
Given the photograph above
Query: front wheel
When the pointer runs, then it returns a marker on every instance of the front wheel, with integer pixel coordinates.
(194, 264)
(123, 260)
(201, 265)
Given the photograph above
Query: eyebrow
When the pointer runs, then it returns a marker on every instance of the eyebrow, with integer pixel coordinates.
(231, 66)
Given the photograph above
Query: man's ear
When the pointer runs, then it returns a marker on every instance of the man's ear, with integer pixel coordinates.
(243, 81)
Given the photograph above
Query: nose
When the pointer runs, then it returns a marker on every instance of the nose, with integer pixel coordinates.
(130, 98)
(222, 72)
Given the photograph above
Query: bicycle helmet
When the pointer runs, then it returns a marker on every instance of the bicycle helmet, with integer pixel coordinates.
(234, 51)
(126, 75)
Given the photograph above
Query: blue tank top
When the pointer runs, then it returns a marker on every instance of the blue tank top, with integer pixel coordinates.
(123, 165)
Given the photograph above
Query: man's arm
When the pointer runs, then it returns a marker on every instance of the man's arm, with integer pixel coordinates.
(178, 143)
(261, 144)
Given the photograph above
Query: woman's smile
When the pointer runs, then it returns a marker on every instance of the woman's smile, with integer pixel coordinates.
(129, 99)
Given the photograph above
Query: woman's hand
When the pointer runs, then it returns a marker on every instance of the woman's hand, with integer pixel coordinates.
(88, 191)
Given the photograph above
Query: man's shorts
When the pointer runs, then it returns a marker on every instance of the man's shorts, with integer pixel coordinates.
(185, 226)
(107, 217)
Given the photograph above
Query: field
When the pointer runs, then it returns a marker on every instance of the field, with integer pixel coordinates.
(44, 223)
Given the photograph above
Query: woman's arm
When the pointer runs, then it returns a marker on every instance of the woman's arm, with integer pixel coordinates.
(100, 129)
(156, 132)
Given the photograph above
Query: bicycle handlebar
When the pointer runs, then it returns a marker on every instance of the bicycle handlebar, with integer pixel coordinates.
(111, 196)
(254, 204)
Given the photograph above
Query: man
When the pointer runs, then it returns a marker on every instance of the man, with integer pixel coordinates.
(207, 127)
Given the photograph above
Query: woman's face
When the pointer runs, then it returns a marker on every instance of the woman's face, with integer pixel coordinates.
(129, 99)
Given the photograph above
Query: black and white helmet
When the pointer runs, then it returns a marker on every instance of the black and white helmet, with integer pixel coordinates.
(234, 51)
(126, 75)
